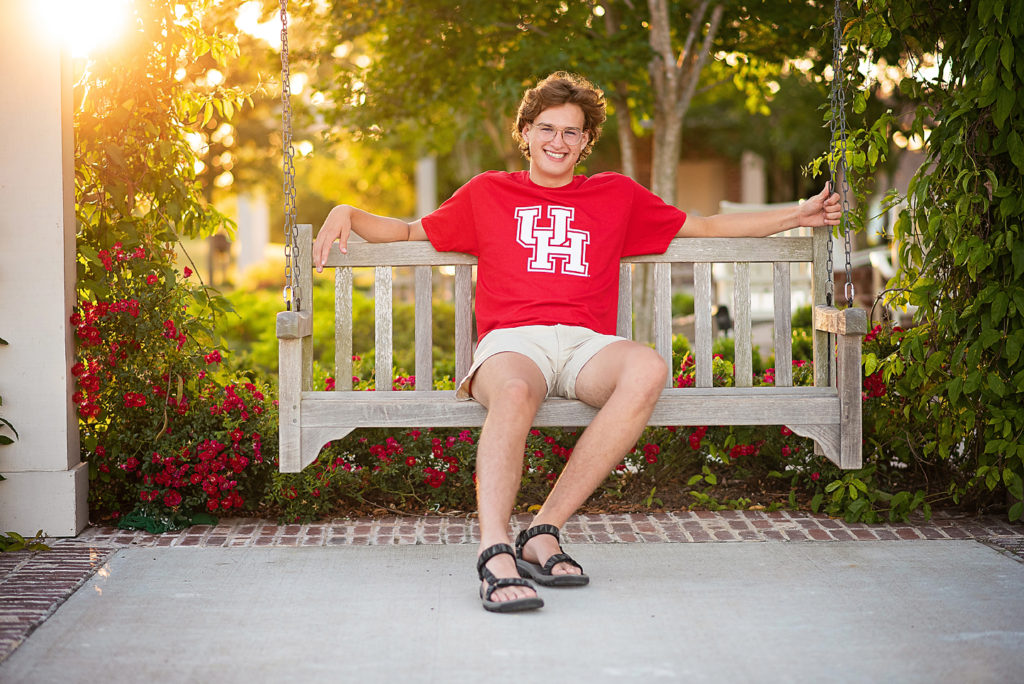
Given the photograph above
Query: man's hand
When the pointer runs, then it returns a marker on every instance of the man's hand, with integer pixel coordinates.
(824, 209)
(336, 228)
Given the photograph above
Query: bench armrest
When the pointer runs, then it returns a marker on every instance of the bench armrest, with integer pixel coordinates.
(293, 325)
(846, 322)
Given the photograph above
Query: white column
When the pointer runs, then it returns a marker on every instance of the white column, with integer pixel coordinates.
(753, 184)
(46, 484)
(426, 185)
(253, 229)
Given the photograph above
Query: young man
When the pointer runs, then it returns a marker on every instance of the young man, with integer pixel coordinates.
(548, 244)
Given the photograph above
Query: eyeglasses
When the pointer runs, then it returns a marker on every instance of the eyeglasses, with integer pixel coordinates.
(547, 132)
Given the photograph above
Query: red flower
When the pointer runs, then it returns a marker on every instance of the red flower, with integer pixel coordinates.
(151, 279)
(172, 499)
(328, 384)
(785, 431)
(213, 357)
(815, 476)
(133, 399)
(187, 272)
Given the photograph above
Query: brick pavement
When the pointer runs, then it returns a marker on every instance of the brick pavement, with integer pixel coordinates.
(34, 584)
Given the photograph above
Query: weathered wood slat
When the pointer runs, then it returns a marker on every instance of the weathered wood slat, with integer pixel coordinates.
(624, 321)
(685, 250)
(720, 406)
(663, 315)
(702, 324)
(382, 294)
(304, 255)
(343, 329)
(743, 350)
(463, 320)
(424, 327)
(783, 325)
(821, 278)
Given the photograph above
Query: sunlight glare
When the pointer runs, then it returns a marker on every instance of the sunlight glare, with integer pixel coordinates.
(83, 25)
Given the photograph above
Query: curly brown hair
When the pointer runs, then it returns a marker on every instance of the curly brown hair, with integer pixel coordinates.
(557, 89)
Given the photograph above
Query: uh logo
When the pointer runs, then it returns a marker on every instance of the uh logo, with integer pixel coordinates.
(556, 242)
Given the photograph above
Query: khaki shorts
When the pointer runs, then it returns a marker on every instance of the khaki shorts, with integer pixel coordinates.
(560, 352)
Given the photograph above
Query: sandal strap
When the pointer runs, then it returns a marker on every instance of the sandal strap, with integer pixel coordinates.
(489, 553)
(495, 583)
(531, 532)
(557, 558)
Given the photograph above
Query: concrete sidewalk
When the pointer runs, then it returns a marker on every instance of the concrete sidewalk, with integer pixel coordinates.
(910, 610)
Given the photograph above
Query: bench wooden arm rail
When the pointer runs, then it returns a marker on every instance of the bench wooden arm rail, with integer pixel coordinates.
(829, 412)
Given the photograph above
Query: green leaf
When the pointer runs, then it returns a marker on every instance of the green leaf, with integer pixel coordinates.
(870, 364)
(996, 384)
(1016, 511)
(1016, 148)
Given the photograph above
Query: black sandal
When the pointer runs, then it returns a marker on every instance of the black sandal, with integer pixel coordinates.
(542, 574)
(494, 582)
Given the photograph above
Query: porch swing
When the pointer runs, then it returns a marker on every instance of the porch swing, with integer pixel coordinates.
(828, 412)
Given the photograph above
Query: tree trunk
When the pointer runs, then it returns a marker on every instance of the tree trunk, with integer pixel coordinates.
(674, 79)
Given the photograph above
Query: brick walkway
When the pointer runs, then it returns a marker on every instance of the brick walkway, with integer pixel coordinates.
(34, 585)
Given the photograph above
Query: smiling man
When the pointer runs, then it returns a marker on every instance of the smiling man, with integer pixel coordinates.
(548, 244)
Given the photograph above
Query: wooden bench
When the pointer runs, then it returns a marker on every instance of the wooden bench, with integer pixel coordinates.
(829, 412)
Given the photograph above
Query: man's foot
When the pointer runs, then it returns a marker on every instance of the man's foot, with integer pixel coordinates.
(539, 556)
(502, 589)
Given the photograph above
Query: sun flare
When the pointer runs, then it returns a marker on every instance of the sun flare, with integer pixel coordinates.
(83, 25)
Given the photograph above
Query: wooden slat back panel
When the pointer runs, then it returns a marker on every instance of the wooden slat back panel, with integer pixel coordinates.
(463, 320)
(783, 325)
(382, 294)
(624, 321)
(743, 357)
(343, 329)
(702, 323)
(701, 252)
(424, 327)
(823, 358)
(663, 315)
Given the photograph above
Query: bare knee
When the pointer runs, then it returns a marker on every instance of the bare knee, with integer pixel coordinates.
(515, 393)
(646, 375)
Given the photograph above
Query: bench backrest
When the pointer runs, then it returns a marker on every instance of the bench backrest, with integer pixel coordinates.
(780, 252)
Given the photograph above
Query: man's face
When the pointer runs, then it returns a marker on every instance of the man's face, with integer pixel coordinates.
(552, 157)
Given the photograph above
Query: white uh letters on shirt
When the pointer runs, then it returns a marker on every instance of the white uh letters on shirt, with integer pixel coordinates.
(557, 241)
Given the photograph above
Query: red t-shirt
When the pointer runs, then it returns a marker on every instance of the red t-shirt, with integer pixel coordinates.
(549, 256)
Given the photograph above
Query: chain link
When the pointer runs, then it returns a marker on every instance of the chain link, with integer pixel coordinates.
(292, 291)
(837, 154)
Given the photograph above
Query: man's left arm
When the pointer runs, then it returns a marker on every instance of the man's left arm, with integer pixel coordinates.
(824, 209)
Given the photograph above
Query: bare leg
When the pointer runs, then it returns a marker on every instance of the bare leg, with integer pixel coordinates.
(512, 388)
(625, 380)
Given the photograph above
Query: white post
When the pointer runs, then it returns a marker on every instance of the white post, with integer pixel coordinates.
(46, 484)
(253, 229)
(426, 185)
(753, 184)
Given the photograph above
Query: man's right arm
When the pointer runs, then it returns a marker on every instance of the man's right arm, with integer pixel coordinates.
(345, 220)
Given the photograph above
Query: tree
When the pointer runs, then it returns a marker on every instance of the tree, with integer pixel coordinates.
(651, 59)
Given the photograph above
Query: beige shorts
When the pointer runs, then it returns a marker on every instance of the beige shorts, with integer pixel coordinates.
(560, 352)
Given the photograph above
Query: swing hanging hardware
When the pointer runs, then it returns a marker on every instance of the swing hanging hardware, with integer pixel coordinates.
(292, 293)
(837, 156)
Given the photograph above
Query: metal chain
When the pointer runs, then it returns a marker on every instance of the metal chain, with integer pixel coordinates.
(292, 291)
(837, 153)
